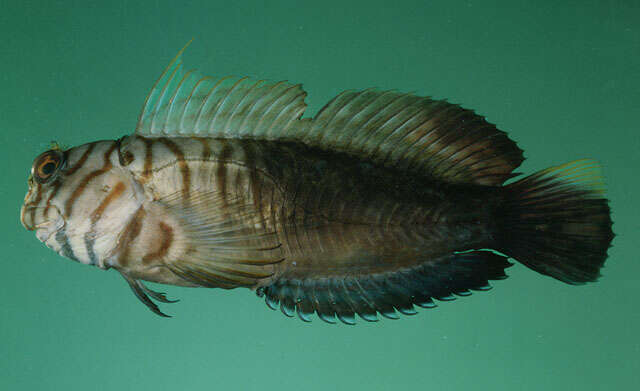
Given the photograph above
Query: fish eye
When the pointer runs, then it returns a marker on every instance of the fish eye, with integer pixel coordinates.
(46, 166)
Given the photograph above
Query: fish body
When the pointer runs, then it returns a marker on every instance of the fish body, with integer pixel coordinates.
(381, 202)
(302, 200)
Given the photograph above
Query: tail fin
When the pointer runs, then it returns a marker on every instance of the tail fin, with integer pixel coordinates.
(557, 222)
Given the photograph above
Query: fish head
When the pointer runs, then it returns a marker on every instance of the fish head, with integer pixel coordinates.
(37, 212)
(78, 200)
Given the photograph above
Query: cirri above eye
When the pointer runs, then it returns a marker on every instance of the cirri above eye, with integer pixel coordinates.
(45, 166)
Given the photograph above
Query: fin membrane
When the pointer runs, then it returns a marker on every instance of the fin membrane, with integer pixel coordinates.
(189, 104)
(558, 222)
(229, 242)
(342, 298)
(419, 134)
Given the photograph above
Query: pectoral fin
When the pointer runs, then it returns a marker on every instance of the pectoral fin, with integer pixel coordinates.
(228, 243)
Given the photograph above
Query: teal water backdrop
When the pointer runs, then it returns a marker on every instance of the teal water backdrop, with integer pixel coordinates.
(562, 77)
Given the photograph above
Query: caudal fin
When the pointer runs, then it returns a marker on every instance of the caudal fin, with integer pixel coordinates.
(557, 222)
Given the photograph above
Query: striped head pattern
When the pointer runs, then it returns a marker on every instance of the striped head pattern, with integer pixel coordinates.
(79, 201)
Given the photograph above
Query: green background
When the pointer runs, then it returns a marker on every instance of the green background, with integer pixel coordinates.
(562, 77)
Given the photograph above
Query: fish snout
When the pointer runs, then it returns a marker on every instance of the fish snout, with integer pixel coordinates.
(44, 220)
(28, 216)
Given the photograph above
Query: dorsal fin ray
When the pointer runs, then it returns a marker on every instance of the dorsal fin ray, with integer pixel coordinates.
(186, 103)
(424, 136)
(419, 134)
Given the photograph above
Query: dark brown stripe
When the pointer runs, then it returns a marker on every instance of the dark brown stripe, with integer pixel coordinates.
(221, 173)
(167, 239)
(90, 236)
(29, 192)
(87, 179)
(273, 223)
(130, 233)
(113, 195)
(56, 187)
(65, 246)
(182, 163)
(35, 203)
(148, 158)
(89, 242)
(81, 161)
(24, 209)
(255, 182)
(206, 148)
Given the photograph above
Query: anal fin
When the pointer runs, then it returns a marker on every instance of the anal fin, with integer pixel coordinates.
(386, 294)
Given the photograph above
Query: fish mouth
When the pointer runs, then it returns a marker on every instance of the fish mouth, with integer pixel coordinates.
(34, 218)
(27, 216)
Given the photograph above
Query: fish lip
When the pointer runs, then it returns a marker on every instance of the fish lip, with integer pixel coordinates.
(26, 208)
(45, 229)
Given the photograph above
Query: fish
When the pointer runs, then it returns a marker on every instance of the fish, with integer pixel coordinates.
(381, 203)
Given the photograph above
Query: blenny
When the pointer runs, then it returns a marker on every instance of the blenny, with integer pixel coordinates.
(380, 203)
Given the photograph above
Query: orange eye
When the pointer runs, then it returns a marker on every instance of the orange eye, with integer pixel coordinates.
(46, 166)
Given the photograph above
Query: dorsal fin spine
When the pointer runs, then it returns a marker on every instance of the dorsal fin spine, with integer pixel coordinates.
(267, 109)
(393, 112)
(335, 126)
(402, 143)
(459, 150)
(478, 134)
(449, 139)
(399, 129)
(234, 110)
(224, 102)
(189, 100)
(351, 136)
(466, 158)
(315, 135)
(283, 113)
(172, 101)
(294, 120)
(380, 115)
(273, 104)
(347, 129)
(153, 91)
(216, 109)
(404, 110)
(423, 144)
(257, 103)
(158, 104)
(202, 109)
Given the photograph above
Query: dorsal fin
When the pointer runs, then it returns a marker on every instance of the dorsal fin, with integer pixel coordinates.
(421, 135)
(432, 137)
(186, 103)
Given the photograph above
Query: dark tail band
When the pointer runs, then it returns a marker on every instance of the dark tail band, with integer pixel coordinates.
(558, 223)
